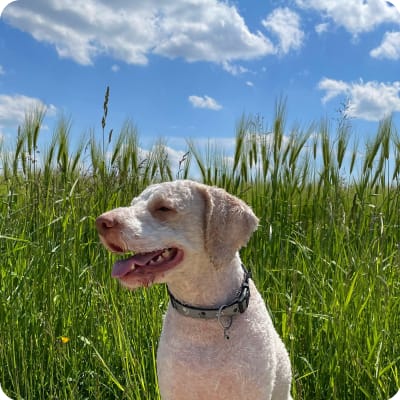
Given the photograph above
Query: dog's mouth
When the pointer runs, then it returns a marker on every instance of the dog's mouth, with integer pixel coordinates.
(147, 265)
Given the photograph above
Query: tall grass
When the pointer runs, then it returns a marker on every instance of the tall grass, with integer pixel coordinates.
(326, 256)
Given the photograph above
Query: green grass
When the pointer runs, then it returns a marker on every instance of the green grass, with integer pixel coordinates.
(326, 257)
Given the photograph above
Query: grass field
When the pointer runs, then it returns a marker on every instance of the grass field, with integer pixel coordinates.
(326, 257)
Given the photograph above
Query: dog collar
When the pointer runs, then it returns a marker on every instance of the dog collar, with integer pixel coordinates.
(237, 306)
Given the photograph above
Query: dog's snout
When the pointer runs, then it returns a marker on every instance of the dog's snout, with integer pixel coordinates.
(105, 222)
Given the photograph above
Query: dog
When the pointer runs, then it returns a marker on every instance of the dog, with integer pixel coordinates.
(217, 340)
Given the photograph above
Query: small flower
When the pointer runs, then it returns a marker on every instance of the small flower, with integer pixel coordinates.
(64, 339)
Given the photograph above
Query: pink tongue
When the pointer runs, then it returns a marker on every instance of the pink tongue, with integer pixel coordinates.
(123, 267)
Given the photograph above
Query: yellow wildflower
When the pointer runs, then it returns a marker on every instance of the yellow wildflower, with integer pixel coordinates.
(64, 339)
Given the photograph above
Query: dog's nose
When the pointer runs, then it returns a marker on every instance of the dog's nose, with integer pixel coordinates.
(105, 222)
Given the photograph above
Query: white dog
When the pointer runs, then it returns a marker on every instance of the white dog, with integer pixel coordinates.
(3, 396)
(396, 396)
(218, 340)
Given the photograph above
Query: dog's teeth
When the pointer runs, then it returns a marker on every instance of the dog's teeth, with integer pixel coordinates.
(166, 253)
(156, 260)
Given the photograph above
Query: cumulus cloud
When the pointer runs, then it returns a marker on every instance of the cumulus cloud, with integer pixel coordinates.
(356, 16)
(389, 48)
(204, 102)
(321, 28)
(333, 88)
(285, 24)
(131, 30)
(13, 108)
(371, 101)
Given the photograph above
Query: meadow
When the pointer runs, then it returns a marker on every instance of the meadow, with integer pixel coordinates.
(325, 257)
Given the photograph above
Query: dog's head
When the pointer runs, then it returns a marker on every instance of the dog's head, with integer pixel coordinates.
(173, 225)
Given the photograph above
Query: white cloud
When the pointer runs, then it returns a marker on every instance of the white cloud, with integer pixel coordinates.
(115, 68)
(234, 69)
(14, 108)
(321, 28)
(131, 30)
(371, 101)
(285, 24)
(333, 88)
(250, 83)
(356, 16)
(204, 102)
(208, 30)
(226, 144)
(389, 48)
(2, 70)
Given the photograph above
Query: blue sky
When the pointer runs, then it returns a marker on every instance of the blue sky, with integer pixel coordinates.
(190, 68)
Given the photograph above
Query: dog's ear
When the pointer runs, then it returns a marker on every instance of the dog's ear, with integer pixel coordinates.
(228, 224)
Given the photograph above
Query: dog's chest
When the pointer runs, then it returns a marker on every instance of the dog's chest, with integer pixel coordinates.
(195, 361)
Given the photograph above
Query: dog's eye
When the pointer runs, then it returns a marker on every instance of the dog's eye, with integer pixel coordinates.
(162, 208)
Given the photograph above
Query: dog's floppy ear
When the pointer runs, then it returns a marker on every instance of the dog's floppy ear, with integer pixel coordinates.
(228, 224)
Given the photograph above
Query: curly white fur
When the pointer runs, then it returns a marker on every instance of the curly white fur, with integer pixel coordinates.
(208, 226)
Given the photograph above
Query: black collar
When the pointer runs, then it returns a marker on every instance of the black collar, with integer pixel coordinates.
(237, 306)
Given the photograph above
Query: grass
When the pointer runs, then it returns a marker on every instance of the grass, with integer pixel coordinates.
(326, 257)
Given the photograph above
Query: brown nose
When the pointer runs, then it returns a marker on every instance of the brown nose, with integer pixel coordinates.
(105, 222)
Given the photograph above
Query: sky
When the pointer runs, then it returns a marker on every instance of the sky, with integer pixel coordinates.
(189, 69)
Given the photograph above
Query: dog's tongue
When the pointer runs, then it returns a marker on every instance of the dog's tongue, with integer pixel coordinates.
(123, 267)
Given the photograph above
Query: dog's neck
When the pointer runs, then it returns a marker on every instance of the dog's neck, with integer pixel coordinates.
(207, 286)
